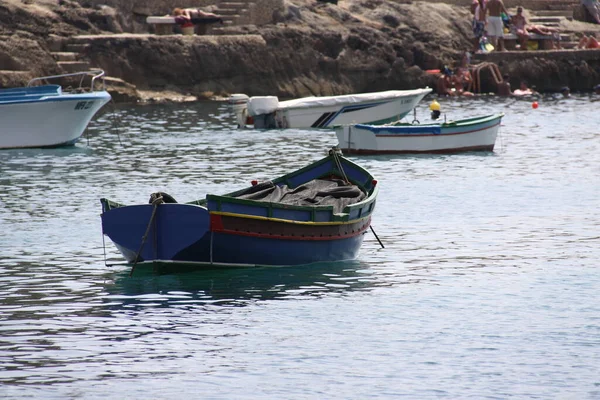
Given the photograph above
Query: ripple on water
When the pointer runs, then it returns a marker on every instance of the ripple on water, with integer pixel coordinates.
(486, 287)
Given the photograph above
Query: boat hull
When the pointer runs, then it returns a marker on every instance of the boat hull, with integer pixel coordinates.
(474, 134)
(48, 121)
(241, 229)
(349, 109)
(189, 233)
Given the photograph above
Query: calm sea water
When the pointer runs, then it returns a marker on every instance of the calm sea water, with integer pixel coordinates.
(487, 288)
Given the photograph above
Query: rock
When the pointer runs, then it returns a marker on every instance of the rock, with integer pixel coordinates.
(312, 48)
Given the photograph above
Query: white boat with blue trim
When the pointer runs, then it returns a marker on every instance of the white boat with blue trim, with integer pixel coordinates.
(267, 112)
(470, 134)
(46, 115)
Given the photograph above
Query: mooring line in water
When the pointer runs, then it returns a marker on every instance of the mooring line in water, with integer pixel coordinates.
(155, 202)
(115, 123)
(376, 237)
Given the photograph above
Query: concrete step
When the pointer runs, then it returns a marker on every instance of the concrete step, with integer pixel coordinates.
(551, 4)
(56, 43)
(118, 82)
(233, 4)
(546, 20)
(568, 14)
(229, 20)
(568, 45)
(76, 47)
(74, 66)
(65, 56)
(14, 73)
(231, 11)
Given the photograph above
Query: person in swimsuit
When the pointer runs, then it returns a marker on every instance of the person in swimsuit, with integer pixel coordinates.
(504, 86)
(588, 42)
(479, 21)
(495, 28)
(445, 83)
(523, 90)
(518, 23)
(195, 16)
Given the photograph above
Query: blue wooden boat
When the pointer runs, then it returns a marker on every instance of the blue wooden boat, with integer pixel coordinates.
(319, 213)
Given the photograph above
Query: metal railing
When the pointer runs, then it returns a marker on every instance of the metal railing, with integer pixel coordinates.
(82, 88)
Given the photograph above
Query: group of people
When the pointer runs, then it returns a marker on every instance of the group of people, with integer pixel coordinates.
(504, 88)
(457, 82)
(588, 42)
(487, 20)
(491, 18)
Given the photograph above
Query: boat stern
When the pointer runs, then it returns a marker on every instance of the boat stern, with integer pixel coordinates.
(158, 232)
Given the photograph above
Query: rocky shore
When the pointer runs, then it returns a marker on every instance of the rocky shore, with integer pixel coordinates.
(305, 47)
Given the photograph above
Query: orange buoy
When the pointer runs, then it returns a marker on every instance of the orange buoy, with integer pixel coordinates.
(534, 104)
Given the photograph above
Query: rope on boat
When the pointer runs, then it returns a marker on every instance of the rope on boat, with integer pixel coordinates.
(415, 120)
(335, 152)
(376, 237)
(157, 199)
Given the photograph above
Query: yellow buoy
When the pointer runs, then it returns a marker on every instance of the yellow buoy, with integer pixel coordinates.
(434, 106)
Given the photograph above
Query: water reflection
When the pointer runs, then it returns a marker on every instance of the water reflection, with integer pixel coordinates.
(164, 285)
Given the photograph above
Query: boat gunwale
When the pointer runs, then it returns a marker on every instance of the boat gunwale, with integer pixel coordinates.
(447, 124)
(229, 198)
(347, 99)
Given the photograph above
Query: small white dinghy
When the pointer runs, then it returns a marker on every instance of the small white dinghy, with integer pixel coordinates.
(267, 112)
(471, 134)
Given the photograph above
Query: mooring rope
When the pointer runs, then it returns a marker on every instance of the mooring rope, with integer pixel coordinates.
(335, 152)
(157, 199)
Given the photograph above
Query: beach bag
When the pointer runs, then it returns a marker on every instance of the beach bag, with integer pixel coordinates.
(485, 45)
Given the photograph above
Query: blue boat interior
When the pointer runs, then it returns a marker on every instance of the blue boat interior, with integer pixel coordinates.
(29, 93)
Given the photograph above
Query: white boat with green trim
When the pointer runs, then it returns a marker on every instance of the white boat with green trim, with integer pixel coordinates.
(470, 134)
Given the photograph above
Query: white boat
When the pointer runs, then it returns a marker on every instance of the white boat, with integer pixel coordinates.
(471, 134)
(46, 115)
(266, 112)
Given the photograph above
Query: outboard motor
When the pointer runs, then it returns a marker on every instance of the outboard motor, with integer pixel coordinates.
(239, 105)
(262, 110)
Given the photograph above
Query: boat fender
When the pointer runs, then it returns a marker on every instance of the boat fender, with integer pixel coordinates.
(160, 198)
(435, 109)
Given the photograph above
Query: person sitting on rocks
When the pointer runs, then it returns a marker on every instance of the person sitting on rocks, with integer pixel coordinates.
(588, 42)
(518, 26)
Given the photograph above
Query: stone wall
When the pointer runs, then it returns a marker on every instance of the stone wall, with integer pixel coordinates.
(262, 12)
(132, 13)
